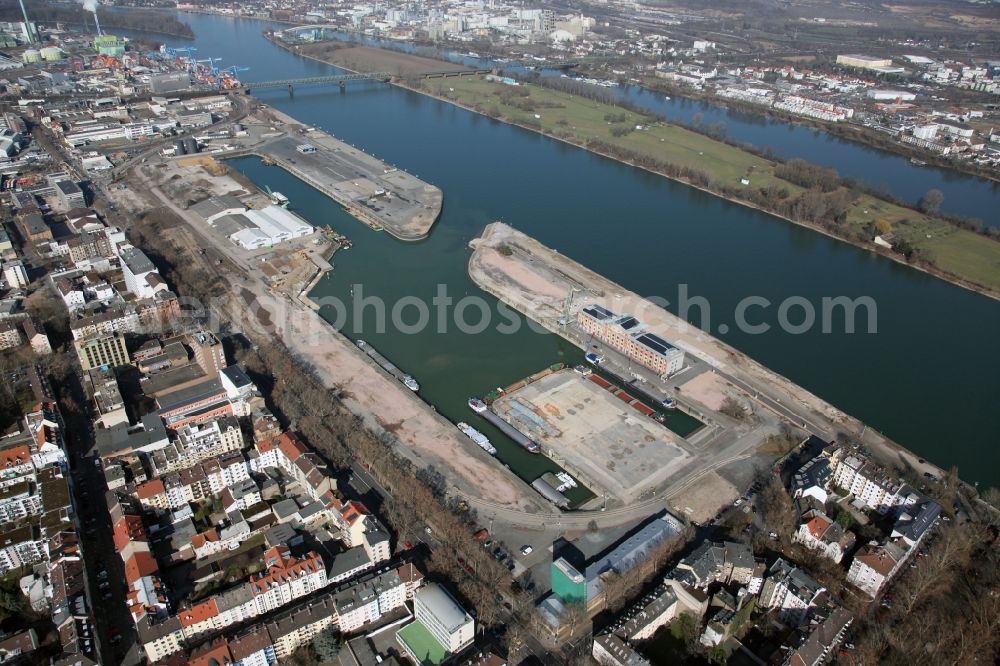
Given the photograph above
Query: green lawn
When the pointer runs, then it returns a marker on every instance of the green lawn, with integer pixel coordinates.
(422, 644)
(965, 253)
(579, 120)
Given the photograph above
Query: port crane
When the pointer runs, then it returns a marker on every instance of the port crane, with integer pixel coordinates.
(211, 64)
(183, 52)
(234, 70)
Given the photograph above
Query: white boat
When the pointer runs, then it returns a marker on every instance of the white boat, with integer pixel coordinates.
(481, 440)
(279, 199)
(566, 481)
(477, 405)
(411, 383)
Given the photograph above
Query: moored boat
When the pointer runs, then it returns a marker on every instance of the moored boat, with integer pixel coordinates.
(477, 405)
(481, 440)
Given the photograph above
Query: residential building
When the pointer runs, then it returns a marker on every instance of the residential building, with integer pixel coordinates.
(723, 562)
(69, 194)
(864, 479)
(293, 627)
(658, 608)
(814, 644)
(138, 271)
(15, 274)
(367, 599)
(101, 350)
(611, 650)
(818, 532)
(10, 334)
(873, 566)
(36, 337)
(791, 592)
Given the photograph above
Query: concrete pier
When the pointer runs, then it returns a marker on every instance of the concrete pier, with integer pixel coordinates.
(379, 194)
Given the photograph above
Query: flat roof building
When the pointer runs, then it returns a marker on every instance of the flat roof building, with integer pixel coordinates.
(863, 61)
(99, 351)
(437, 612)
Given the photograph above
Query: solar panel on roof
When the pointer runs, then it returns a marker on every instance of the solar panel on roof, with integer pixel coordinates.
(654, 343)
(598, 312)
(659, 340)
(628, 323)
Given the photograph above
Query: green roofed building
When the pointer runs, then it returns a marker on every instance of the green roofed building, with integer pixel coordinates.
(109, 45)
(567, 583)
(421, 645)
(441, 627)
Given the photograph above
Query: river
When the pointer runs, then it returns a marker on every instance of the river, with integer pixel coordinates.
(928, 379)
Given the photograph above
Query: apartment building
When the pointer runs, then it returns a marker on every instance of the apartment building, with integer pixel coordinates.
(865, 480)
(367, 599)
(790, 591)
(101, 350)
(818, 532)
(287, 578)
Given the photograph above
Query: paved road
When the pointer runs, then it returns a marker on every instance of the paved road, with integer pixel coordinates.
(87, 482)
(239, 111)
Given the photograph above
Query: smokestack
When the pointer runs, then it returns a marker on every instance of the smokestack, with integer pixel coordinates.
(27, 24)
(97, 21)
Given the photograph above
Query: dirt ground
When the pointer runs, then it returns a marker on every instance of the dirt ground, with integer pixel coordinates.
(370, 59)
(610, 446)
(708, 389)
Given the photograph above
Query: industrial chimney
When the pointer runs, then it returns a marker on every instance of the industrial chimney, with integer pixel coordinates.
(28, 28)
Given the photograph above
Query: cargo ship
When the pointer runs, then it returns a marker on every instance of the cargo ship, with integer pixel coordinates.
(528, 444)
(481, 440)
(408, 381)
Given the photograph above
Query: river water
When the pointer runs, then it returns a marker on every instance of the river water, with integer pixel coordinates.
(928, 378)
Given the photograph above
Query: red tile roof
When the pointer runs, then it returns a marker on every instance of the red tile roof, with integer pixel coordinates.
(15, 456)
(818, 526)
(201, 611)
(149, 489)
(128, 529)
(139, 565)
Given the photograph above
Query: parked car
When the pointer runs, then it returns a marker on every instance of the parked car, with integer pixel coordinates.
(526, 549)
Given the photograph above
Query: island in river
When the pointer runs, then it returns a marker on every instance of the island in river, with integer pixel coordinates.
(795, 191)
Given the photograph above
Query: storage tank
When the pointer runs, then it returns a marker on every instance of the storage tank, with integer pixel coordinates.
(190, 145)
(179, 148)
(51, 53)
(31, 55)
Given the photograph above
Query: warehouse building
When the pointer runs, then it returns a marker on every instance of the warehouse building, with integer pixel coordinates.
(267, 227)
(863, 61)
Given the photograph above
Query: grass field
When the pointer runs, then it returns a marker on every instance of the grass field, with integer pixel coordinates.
(579, 120)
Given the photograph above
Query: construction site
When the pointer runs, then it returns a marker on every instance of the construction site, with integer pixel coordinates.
(614, 448)
(218, 198)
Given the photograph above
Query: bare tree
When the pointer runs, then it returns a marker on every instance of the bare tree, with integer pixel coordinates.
(931, 201)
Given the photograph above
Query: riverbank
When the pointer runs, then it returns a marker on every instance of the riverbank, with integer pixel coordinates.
(932, 245)
(961, 257)
(359, 58)
(534, 279)
(847, 131)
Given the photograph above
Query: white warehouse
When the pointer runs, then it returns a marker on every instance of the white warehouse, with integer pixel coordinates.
(270, 226)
